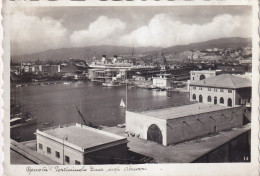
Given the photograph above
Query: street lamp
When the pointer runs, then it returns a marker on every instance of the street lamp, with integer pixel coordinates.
(64, 138)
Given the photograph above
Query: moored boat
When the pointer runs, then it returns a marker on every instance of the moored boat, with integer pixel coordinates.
(19, 122)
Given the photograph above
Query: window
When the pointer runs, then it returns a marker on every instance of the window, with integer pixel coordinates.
(200, 88)
(48, 150)
(229, 91)
(209, 98)
(57, 154)
(193, 78)
(40, 146)
(194, 97)
(194, 88)
(200, 99)
(67, 159)
(221, 100)
(215, 90)
(221, 90)
(77, 162)
(209, 89)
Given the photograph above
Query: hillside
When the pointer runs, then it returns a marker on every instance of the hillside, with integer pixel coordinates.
(85, 52)
(145, 52)
(233, 42)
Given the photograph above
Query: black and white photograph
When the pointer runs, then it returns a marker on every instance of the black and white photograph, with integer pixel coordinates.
(131, 85)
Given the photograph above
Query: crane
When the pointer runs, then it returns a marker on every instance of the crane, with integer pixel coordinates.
(87, 122)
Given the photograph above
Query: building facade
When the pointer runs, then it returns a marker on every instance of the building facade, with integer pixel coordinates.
(225, 90)
(78, 144)
(202, 74)
(178, 124)
(163, 81)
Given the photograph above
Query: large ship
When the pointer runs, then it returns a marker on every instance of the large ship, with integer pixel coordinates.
(114, 64)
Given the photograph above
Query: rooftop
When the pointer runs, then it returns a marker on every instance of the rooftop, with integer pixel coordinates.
(181, 111)
(205, 71)
(185, 152)
(225, 81)
(80, 136)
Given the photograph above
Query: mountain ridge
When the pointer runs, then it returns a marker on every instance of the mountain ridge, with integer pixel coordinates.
(110, 50)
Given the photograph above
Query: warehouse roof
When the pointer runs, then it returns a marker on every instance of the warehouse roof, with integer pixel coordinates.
(182, 111)
(80, 136)
(225, 81)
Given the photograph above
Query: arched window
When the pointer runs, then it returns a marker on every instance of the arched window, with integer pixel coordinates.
(202, 77)
(200, 99)
(209, 98)
(229, 102)
(221, 100)
(194, 97)
(215, 100)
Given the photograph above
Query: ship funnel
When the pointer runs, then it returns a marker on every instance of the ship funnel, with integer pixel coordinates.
(103, 58)
(115, 59)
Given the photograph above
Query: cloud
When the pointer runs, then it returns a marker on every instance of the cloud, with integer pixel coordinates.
(32, 34)
(98, 31)
(162, 30)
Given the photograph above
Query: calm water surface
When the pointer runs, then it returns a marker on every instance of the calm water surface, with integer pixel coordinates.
(56, 104)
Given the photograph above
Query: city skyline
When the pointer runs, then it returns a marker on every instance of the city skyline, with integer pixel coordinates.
(88, 26)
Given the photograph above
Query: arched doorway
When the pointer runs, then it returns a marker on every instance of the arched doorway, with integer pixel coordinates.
(215, 100)
(229, 102)
(202, 77)
(154, 134)
(200, 99)
(194, 97)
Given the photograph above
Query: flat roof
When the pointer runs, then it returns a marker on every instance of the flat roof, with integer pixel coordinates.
(205, 71)
(182, 111)
(81, 135)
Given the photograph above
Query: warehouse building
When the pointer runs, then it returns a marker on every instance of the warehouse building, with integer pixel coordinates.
(203, 74)
(226, 90)
(78, 144)
(177, 124)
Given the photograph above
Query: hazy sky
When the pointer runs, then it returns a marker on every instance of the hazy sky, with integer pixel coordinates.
(36, 29)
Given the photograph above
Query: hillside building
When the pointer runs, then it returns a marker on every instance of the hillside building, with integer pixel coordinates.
(225, 90)
(203, 74)
(78, 144)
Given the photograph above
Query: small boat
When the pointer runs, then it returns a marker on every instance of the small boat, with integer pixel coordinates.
(121, 125)
(18, 122)
(122, 104)
(111, 84)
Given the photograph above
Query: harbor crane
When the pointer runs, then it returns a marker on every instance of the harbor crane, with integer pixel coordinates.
(87, 122)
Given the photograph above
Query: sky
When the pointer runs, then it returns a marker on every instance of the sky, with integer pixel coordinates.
(35, 29)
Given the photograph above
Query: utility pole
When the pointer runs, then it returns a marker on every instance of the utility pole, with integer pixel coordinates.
(63, 158)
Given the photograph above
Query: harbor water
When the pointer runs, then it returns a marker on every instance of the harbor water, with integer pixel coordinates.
(55, 104)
